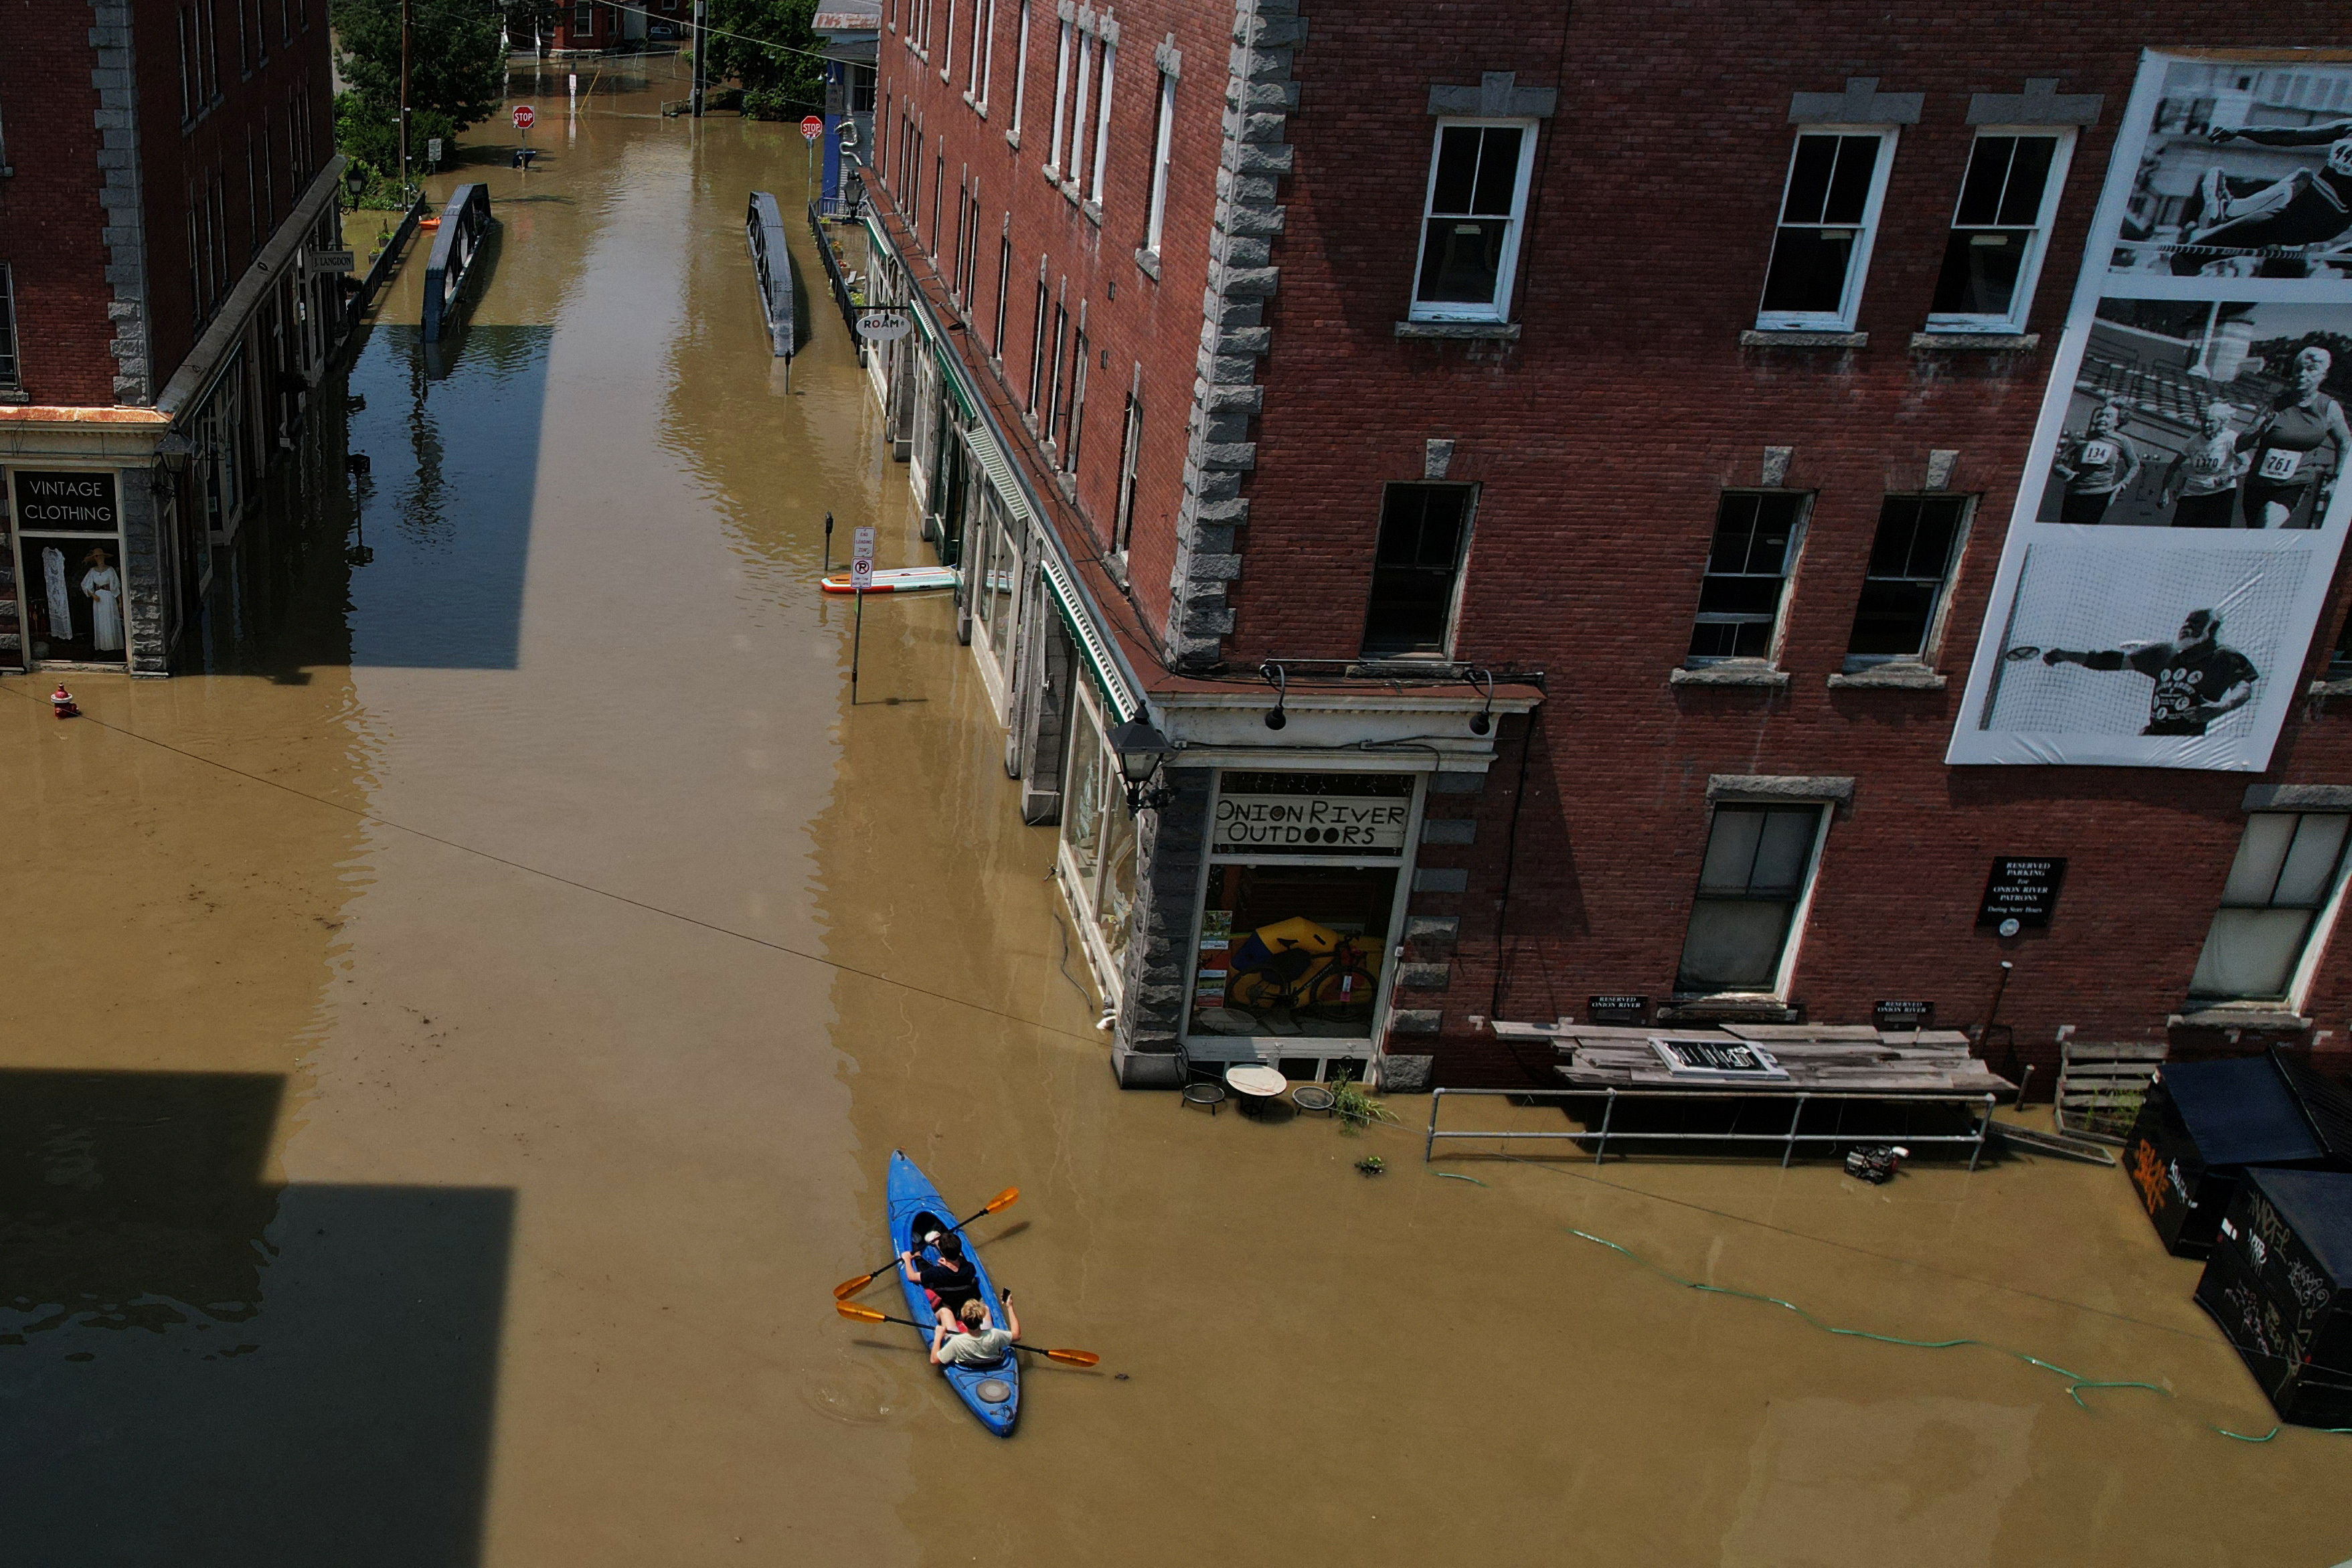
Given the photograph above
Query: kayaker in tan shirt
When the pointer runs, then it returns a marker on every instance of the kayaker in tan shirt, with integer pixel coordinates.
(978, 1342)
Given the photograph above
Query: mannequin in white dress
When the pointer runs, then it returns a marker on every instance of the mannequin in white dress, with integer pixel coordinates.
(103, 584)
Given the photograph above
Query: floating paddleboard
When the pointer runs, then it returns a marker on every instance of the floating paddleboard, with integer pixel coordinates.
(898, 580)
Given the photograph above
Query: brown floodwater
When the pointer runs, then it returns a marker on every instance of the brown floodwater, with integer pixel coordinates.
(458, 1034)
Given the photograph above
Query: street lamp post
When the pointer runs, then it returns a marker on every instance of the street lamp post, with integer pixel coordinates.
(1140, 749)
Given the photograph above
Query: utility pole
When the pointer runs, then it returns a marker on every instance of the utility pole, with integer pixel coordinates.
(701, 38)
(403, 98)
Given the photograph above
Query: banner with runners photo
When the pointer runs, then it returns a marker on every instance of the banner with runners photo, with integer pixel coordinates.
(2171, 549)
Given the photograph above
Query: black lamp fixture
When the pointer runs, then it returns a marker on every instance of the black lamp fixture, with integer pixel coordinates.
(1140, 749)
(1272, 673)
(1484, 720)
(171, 453)
(354, 179)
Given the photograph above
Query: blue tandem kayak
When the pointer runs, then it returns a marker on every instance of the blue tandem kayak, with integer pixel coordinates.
(992, 1392)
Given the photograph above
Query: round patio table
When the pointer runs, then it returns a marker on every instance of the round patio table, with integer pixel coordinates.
(1257, 1086)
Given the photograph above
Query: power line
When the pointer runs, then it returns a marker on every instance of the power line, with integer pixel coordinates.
(374, 820)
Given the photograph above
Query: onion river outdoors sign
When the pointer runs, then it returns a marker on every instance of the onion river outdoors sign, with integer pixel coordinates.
(1312, 824)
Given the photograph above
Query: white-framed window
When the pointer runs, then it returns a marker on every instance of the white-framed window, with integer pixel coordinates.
(1102, 123)
(1131, 450)
(2283, 884)
(1161, 139)
(1753, 886)
(1472, 215)
(2000, 227)
(1899, 616)
(1061, 101)
(1074, 165)
(1097, 852)
(946, 45)
(983, 50)
(1748, 564)
(1828, 214)
(1020, 69)
(11, 373)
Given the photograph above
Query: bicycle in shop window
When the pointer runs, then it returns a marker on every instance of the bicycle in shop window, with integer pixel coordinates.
(1304, 968)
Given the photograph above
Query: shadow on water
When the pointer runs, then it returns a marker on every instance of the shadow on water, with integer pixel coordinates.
(452, 432)
(201, 1367)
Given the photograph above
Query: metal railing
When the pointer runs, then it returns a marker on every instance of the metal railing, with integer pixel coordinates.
(832, 273)
(1788, 1139)
(465, 224)
(380, 271)
(772, 270)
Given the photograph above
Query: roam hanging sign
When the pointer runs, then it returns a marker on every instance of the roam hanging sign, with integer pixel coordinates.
(74, 503)
(1311, 824)
(884, 326)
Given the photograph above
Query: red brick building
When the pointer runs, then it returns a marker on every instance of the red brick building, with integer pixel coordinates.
(1595, 436)
(167, 176)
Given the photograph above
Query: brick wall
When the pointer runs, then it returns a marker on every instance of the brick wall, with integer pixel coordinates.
(1601, 439)
(269, 83)
(1149, 328)
(50, 222)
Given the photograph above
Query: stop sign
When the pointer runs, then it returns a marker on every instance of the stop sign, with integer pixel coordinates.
(812, 128)
(524, 115)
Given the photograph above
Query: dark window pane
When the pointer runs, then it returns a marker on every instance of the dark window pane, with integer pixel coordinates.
(1890, 621)
(1462, 261)
(1980, 206)
(1414, 565)
(2340, 662)
(1808, 271)
(1728, 640)
(1981, 271)
(1739, 596)
(1498, 171)
(1809, 179)
(1751, 534)
(1734, 944)
(1457, 169)
(1850, 186)
(2028, 177)
(1780, 854)
(1914, 536)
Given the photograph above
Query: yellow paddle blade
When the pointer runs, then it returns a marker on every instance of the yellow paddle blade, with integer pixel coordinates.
(851, 1287)
(1075, 1357)
(1004, 1199)
(861, 1315)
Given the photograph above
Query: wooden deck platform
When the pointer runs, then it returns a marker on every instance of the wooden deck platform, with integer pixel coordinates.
(1813, 1059)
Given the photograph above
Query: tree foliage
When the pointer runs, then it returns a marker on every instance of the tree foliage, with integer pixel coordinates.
(778, 83)
(457, 73)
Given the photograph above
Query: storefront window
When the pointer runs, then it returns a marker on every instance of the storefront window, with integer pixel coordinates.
(1098, 841)
(1300, 903)
(71, 607)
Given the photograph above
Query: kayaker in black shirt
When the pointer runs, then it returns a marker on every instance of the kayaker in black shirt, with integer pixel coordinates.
(949, 1278)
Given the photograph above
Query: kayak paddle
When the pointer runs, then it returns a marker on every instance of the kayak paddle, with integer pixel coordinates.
(852, 1311)
(849, 1287)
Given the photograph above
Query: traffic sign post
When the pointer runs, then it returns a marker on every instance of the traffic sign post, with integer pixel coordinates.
(861, 578)
(811, 128)
(524, 117)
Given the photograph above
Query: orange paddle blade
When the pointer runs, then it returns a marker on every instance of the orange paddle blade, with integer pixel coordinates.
(851, 1287)
(1002, 1201)
(861, 1315)
(1075, 1357)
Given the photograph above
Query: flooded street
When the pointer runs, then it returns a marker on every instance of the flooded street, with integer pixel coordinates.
(458, 1037)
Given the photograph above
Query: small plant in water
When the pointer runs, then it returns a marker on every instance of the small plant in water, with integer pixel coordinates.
(1371, 1165)
(1355, 1109)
